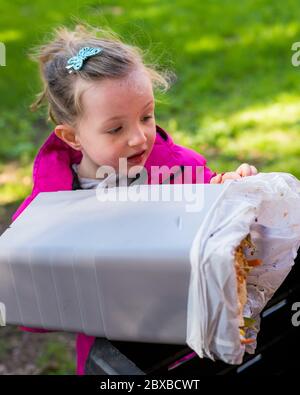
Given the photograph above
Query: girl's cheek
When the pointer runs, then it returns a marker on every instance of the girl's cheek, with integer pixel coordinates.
(152, 136)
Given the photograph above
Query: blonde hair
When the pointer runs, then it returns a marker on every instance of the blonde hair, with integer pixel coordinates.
(61, 90)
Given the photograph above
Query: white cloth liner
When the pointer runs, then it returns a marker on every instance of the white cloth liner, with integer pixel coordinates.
(267, 206)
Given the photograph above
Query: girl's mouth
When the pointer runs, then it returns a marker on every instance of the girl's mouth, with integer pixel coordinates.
(137, 158)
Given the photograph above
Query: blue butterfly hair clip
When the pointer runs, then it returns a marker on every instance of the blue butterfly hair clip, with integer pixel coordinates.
(76, 62)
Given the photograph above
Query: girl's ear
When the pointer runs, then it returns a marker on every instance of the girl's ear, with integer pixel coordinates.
(67, 134)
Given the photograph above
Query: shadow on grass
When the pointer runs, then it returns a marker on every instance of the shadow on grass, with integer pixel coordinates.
(35, 353)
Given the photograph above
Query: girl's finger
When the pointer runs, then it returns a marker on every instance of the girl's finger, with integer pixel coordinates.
(244, 170)
(216, 179)
(231, 175)
(253, 170)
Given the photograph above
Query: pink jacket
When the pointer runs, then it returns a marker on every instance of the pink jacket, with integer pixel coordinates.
(52, 172)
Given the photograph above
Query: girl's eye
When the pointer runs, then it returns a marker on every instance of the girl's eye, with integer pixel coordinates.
(112, 131)
(116, 130)
(147, 118)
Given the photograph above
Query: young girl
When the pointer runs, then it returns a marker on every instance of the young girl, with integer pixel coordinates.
(100, 96)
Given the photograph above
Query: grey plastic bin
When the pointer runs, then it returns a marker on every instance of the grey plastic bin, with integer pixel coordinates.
(114, 269)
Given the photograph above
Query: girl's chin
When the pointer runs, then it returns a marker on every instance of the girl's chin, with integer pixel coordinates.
(132, 169)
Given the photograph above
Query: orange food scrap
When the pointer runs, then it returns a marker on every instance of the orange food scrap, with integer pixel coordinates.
(254, 262)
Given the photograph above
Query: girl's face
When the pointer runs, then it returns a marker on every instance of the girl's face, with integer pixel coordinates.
(118, 122)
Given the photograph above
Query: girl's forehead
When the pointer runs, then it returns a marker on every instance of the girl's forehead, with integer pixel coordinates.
(108, 94)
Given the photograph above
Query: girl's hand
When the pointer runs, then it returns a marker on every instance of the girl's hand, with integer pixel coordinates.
(243, 170)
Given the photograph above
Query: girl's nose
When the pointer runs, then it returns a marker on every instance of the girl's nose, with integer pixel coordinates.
(138, 137)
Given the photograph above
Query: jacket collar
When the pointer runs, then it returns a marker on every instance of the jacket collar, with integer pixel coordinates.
(52, 169)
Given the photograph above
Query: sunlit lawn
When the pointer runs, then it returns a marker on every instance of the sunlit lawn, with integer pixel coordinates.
(236, 97)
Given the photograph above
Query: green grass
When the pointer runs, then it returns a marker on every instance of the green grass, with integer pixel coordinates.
(3, 349)
(236, 98)
(54, 360)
